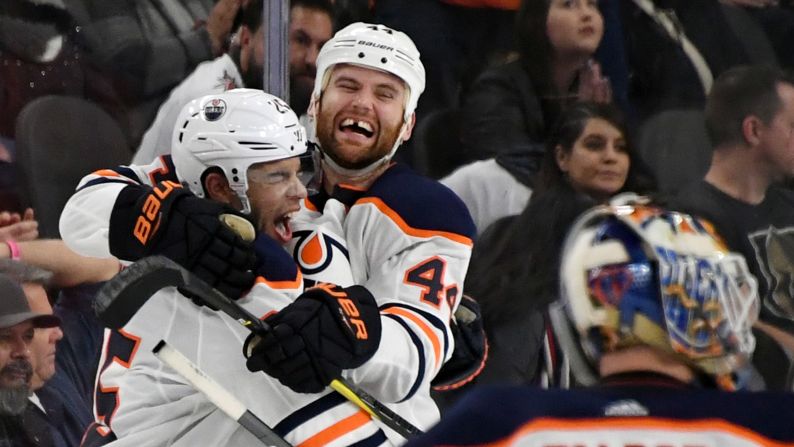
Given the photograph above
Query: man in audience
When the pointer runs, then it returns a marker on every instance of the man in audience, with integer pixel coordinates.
(750, 117)
(17, 330)
(59, 406)
(310, 27)
(655, 317)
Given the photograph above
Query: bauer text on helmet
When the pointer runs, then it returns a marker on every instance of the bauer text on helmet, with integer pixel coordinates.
(377, 47)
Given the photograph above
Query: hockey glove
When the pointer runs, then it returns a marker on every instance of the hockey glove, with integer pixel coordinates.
(327, 329)
(471, 348)
(168, 220)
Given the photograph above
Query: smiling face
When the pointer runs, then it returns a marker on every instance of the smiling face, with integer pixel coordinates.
(360, 115)
(598, 163)
(574, 27)
(275, 192)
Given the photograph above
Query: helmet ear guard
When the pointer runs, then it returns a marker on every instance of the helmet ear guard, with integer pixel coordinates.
(232, 131)
(639, 275)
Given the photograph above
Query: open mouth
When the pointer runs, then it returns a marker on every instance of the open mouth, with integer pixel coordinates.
(358, 127)
(282, 227)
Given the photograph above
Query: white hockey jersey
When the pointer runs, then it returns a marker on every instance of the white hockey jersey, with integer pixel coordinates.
(140, 402)
(408, 240)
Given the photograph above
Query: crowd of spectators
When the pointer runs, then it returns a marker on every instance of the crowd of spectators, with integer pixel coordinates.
(543, 101)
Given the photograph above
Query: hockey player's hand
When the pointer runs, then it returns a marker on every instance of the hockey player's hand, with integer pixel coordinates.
(471, 348)
(168, 220)
(327, 329)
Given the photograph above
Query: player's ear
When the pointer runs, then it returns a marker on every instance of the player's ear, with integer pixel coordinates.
(409, 127)
(218, 189)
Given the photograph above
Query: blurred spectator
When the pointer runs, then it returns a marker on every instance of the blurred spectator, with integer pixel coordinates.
(76, 279)
(749, 117)
(310, 26)
(242, 66)
(149, 46)
(17, 328)
(510, 108)
(514, 269)
(663, 75)
(65, 428)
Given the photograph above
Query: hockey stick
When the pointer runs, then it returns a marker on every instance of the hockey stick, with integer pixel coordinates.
(121, 297)
(218, 395)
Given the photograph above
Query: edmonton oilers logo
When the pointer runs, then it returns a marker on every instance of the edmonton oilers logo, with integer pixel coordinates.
(214, 109)
(314, 251)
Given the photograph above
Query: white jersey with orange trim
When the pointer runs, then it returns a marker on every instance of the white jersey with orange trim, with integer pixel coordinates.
(615, 415)
(408, 240)
(141, 402)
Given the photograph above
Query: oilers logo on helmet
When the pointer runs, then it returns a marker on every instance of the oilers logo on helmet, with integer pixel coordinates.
(232, 131)
(214, 109)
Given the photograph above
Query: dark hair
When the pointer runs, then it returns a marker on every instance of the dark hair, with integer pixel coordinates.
(532, 41)
(515, 264)
(569, 128)
(251, 15)
(749, 90)
(320, 5)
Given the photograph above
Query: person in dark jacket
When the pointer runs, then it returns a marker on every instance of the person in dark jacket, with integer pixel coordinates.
(510, 108)
(17, 328)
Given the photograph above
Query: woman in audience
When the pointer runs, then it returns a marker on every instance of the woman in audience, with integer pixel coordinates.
(509, 108)
(508, 111)
(514, 268)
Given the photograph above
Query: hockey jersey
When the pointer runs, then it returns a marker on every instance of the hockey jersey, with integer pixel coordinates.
(408, 240)
(661, 414)
(140, 402)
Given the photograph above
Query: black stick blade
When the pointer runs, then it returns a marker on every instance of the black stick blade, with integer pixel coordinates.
(121, 297)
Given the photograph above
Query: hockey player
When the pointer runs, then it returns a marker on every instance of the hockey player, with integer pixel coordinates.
(655, 311)
(240, 148)
(375, 223)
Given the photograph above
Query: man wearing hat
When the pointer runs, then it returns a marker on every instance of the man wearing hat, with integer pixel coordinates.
(17, 325)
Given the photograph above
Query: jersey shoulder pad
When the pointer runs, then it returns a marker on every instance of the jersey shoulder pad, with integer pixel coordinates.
(422, 203)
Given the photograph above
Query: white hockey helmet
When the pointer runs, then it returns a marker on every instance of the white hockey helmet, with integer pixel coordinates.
(377, 47)
(232, 131)
(640, 275)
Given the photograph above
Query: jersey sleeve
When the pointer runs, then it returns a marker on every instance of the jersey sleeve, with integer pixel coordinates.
(414, 243)
(85, 219)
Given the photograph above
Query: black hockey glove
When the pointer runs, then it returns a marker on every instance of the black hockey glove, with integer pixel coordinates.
(471, 348)
(327, 329)
(168, 220)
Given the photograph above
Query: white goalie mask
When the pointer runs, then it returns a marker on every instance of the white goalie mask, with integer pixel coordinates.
(380, 48)
(640, 275)
(232, 131)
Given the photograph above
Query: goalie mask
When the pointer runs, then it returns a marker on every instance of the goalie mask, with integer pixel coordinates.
(380, 48)
(639, 275)
(232, 131)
